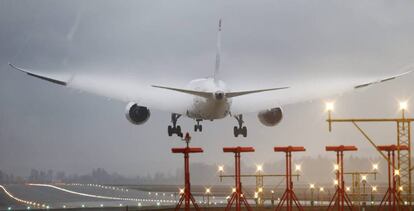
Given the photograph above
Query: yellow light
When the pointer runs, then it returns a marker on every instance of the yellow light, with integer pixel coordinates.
(348, 188)
(321, 189)
(181, 190)
(312, 186)
(272, 191)
(401, 188)
(374, 188)
(364, 178)
(336, 167)
(256, 195)
(336, 182)
(260, 190)
(208, 190)
(403, 105)
(233, 190)
(375, 166)
(220, 168)
(397, 172)
(329, 106)
(259, 168)
(298, 167)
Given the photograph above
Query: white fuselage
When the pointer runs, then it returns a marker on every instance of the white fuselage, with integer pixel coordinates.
(215, 107)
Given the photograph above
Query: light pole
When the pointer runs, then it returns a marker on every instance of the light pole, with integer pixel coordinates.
(259, 184)
(373, 189)
(312, 188)
(221, 170)
(207, 193)
(364, 183)
(321, 189)
(273, 198)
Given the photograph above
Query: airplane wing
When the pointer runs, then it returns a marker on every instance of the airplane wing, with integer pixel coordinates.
(111, 87)
(307, 90)
(243, 102)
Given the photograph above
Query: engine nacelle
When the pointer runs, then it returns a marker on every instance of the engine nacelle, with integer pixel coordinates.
(137, 114)
(270, 117)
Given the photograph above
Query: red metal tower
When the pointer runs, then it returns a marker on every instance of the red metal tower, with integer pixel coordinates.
(238, 194)
(391, 195)
(289, 196)
(340, 197)
(186, 196)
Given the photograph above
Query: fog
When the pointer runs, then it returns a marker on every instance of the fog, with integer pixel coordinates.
(264, 44)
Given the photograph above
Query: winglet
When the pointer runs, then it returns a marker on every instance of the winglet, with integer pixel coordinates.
(383, 80)
(47, 77)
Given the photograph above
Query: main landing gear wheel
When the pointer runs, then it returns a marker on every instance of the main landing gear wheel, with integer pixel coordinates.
(198, 127)
(175, 129)
(241, 130)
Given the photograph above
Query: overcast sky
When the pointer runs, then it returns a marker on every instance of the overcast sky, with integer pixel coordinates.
(51, 127)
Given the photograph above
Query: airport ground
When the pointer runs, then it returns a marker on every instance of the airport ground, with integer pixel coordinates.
(56, 199)
(371, 208)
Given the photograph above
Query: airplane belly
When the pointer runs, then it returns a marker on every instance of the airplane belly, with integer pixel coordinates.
(208, 109)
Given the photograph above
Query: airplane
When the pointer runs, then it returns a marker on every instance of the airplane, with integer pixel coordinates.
(211, 99)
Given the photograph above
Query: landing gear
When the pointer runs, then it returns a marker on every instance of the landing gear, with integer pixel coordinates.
(241, 129)
(198, 127)
(175, 129)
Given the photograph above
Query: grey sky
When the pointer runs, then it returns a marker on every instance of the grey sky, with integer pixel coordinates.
(263, 42)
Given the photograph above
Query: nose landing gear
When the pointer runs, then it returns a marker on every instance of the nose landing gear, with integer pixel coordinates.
(174, 129)
(198, 127)
(241, 129)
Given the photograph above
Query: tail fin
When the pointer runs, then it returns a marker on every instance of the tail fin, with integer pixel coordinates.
(217, 68)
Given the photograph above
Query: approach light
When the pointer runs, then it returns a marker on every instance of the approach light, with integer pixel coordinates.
(364, 178)
(312, 186)
(259, 168)
(272, 191)
(298, 167)
(403, 105)
(348, 188)
(336, 167)
(401, 188)
(233, 190)
(256, 195)
(397, 172)
(329, 106)
(321, 189)
(260, 190)
(375, 166)
(181, 190)
(374, 188)
(336, 182)
(220, 168)
(208, 191)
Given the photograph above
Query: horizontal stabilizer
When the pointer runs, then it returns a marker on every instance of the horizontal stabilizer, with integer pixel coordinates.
(235, 94)
(210, 94)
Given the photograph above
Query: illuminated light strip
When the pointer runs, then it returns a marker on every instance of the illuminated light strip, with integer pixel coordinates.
(99, 186)
(18, 199)
(84, 194)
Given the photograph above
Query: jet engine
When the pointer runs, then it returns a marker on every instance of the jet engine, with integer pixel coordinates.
(270, 117)
(137, 114)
